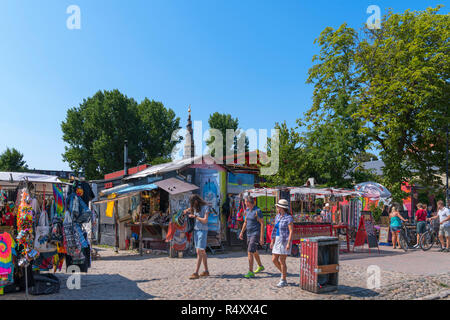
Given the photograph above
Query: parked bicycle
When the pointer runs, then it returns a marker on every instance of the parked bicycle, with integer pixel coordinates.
(429, 238)
(407, 237)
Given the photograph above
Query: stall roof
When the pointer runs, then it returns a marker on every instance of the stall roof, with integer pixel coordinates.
(172, 166)
(262, 192)
(16, 177)
(175, 186)
(259, 192)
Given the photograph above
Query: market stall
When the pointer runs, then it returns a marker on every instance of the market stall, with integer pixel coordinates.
(41, 228)
(146, 215)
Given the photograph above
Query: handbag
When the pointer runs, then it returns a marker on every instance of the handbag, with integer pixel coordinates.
(190, 225)
(42, 239)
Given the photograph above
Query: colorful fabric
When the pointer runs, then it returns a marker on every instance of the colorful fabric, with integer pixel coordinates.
(7, 245)
(25, 222)
(58, 194)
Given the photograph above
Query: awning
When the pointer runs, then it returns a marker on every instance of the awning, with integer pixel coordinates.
(145, 187)
(114, 189)
(16, 177)
(42, 183)
(175, 186)
(126, 192)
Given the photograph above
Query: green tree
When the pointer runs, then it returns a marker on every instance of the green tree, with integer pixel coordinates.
(366, 157)
(394, 84)
(11, 160)
(223, 122)
(158, 124)
(293, 170)
(96, 130)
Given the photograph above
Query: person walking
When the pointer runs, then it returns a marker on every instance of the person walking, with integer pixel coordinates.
(444, 228)
(254, 224)
(326, 213)
(199, 210)
(396, 225)
(281, 243)
(421, 222)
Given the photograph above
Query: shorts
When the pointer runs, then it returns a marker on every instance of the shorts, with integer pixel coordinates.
(252, 243)
(444, 231)
(421, 227)
(395, 229)
(200, 239)
(279, 247)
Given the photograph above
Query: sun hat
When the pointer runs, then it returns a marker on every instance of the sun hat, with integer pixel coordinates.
(327, 205)
(282, 203)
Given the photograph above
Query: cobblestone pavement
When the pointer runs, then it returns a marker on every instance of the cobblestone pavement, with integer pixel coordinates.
(128, 276)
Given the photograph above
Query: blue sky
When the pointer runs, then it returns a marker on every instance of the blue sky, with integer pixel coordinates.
(248, 58)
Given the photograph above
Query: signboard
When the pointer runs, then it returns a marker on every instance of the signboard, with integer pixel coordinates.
(366, 231)
(371, 233)
(240, 182)
(384, 235)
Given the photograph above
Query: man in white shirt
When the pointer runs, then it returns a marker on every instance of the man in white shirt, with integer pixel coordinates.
(444, 229)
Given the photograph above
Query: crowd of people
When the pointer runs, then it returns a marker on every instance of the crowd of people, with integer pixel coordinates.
(439, 220)
(254, 228)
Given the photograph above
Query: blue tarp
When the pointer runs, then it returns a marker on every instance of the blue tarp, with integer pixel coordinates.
(145, 187)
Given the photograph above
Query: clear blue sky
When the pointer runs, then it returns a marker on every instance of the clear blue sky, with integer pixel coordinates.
(248, 58)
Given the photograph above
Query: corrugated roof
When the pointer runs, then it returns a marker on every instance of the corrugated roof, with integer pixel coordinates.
(171, 166)
(175, 186)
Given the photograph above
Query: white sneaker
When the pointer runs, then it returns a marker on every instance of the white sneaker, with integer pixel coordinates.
(282, 283)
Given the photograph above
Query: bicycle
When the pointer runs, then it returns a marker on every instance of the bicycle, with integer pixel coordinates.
(406, 238)
(429, 238)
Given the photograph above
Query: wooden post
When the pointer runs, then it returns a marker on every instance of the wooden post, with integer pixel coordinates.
(141, 233)
(116, 227)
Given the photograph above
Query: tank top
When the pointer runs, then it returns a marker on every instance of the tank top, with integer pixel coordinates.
(396, 222)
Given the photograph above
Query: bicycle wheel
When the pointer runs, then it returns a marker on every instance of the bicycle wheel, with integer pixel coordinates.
(403, 241)
(426, 241)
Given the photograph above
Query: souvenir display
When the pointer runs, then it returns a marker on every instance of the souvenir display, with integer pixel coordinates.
(43, 230)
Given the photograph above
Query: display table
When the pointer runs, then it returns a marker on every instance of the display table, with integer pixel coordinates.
(304, 230)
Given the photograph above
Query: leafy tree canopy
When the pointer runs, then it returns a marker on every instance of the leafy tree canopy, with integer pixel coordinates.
(11, 160)
(96, 130)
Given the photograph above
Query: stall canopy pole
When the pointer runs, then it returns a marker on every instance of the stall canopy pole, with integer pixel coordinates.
(140, 229)
(116, 218)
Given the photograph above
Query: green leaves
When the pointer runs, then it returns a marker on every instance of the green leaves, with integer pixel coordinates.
(387, 89)
(96, 130)
(11, 160)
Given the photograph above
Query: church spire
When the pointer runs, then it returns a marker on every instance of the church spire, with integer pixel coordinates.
(189, 148)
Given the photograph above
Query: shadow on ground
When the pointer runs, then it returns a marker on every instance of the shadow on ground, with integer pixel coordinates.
(373, 254)
(95, 287)
(129, 257)
(257, 276)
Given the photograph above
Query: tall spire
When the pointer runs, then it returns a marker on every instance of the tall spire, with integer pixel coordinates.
(189, 148)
